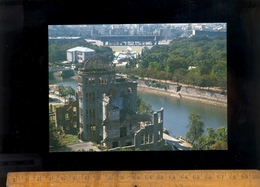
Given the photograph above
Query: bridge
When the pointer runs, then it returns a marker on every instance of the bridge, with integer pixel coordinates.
(64, 73)
(130, 40)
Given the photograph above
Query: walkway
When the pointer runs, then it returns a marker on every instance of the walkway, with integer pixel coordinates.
(86, 146)
(177, 144)
(79, 147)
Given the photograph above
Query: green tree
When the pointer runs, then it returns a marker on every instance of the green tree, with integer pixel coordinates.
(195, 128)
(56, 54)
(220, 69)
(105, 51)
(208, 55)
(61, 89)
(69, 91)
(191, 78)
(179, 75)
(214, 140)
(62, 92)
(174, 62)
(53, 136)
(154, 66)
(145, 50)
(142, 106)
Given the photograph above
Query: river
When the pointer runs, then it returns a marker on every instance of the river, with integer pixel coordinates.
(176, 110)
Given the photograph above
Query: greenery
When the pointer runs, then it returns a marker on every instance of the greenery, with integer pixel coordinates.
(143, 107)
(69, 91)
(195, 128)
(125, 149)
(171, 62)
(158, 85)
(53, 136)
(68, 139)
(65, 91)
(57, 138)
(214, 140)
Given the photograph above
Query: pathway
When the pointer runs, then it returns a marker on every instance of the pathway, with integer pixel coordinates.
(177, 144)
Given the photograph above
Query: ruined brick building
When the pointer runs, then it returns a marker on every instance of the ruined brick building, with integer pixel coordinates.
(107, 109)
(64, 115)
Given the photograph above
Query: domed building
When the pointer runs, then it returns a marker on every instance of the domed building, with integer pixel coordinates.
(107, 107)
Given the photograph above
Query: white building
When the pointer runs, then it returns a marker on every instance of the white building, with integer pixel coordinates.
(122, 58)
(79, 54)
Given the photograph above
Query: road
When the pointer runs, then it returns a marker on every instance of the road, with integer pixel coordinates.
(79, 147)
(179, 143)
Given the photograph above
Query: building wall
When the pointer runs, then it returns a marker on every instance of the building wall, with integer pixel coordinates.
(66, 116)
(91, 89)
(70, 56)
(150, 134)
(79, 56)
(52, 109)
(94, 92)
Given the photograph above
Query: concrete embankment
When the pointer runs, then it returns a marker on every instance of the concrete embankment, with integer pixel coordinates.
(184, 92)
(204, 95)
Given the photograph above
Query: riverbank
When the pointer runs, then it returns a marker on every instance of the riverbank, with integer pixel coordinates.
(181, 95)
(195, 94)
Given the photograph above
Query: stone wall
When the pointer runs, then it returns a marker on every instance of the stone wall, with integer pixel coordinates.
(202, 94)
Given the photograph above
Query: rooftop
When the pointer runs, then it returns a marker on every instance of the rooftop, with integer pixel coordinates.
(81, 49)
(64, 37)
(98, 63)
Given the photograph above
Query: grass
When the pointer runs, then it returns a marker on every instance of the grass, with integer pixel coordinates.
(69, 139)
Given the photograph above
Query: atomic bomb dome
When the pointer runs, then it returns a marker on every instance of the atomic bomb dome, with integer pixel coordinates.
(98, 63)
(107, 109)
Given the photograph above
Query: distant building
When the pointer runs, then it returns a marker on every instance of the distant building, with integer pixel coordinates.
(191, 67)
(209, 33)
(166, 33)
(63, 39)
(79, 54)
(122, 58)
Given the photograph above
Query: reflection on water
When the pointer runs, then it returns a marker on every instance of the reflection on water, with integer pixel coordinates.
(176, 110)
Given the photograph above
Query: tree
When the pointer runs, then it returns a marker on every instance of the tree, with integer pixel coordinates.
(154, 66)
(143, 107)
(53, 136)
(214, 140)
(220, 69)
(62, 92)
(145, 50)
(179, 75)
(195, 128)
(105, 51)
(69, 91)
(60, 89)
